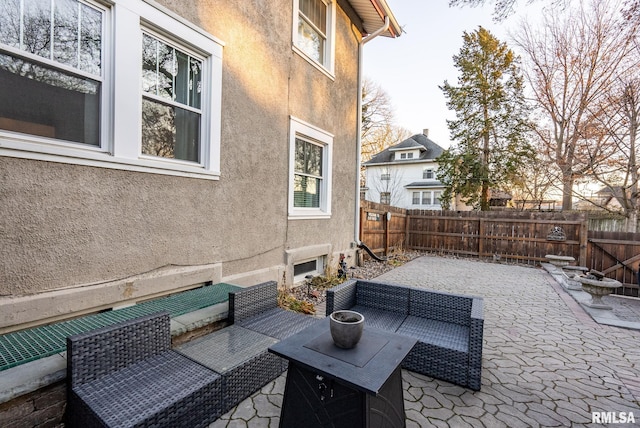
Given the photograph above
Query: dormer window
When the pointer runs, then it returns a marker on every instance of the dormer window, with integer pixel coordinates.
(405, 156)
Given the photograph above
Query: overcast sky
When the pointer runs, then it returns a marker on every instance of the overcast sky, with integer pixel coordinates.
(411, 67)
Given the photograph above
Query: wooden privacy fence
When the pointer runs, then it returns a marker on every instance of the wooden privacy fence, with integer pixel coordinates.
(510, 236)
(378, 230)
(617, 255)
(523, 237)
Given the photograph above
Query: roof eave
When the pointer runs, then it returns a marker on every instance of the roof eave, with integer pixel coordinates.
(372, 13)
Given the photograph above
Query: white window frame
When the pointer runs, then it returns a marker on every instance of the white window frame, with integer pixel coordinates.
(428, 171)
(121, 109)
(308, 132)
(414, 199)
(328, 66)
(383, 198)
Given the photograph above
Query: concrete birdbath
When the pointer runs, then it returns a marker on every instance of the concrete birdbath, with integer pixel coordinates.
(559, 261)
(597, 288)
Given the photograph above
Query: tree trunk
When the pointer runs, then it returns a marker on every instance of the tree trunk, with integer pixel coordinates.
(567, 192)
(484, 197)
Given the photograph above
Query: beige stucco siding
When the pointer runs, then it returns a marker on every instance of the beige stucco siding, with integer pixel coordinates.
(67, 226)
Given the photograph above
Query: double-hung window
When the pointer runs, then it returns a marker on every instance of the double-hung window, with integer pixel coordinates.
(51, 69)
(171, 101)
(415, 200)
(310, 166)
(385, 198)
(144, 95)
(313, 31)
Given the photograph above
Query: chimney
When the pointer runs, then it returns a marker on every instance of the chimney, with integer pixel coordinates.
(425, 132)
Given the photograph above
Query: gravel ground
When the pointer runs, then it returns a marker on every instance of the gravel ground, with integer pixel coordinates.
(316, 293)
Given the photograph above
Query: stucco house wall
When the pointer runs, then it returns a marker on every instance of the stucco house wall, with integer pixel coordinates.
(81, 237)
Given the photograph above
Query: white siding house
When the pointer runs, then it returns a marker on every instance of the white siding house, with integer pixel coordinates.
(405, 175)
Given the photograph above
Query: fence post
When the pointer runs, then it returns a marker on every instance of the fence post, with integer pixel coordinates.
(386, 223)
(407, 220)
(584, 241)
(362, 213)
(481, 237)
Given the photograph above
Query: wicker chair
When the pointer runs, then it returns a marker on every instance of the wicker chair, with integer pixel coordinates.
(256, 308)
(126, 375)
(448, 327)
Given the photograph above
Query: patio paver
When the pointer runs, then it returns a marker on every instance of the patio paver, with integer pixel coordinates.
(545, 363)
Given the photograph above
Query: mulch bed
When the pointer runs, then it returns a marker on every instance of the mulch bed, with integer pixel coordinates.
(308, 295)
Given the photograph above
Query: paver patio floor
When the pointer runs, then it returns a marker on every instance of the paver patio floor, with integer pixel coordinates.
(545, 362)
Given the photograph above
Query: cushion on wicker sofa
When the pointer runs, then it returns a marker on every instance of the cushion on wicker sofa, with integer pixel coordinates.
(448, 327)
(256, 308)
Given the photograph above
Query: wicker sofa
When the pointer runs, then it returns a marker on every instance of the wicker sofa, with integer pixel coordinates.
(448, 327)
(126, 375)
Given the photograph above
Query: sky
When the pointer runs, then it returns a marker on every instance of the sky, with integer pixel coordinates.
(410, 68)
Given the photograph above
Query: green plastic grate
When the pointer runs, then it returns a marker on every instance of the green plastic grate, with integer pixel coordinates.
(28, 345)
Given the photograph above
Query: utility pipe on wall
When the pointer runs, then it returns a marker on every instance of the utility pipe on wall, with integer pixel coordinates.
(385, 27)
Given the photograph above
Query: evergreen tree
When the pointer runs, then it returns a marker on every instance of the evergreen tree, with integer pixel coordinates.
(491, 122)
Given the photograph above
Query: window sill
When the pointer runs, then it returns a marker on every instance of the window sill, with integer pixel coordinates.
(96, 158)
(309, 216)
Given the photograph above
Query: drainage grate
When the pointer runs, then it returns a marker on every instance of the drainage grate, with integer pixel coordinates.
(28, 345)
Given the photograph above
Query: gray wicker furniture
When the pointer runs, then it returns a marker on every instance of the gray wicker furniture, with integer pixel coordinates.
(256, 308)
(241, 357)
(126, 375)
(448, 327)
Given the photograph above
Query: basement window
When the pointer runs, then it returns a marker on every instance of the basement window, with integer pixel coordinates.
(311, 267)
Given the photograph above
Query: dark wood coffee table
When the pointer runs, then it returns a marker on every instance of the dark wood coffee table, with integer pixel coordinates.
(332, 387)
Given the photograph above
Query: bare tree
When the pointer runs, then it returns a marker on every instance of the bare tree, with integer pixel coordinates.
(535, 183)
(504, 8)
(388, 183)
(378, 128)
(618, 126)
(571, 63)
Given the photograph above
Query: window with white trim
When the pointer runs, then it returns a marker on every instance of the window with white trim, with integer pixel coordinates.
(314, 31)
(171, 101)
(385, 198)
(427, 174)
(427, 197)
(310, 166)
(415, 200)
(143, 96)
(51, 68)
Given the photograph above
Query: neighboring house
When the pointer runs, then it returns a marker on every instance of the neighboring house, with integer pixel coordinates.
(148, 147)
(609, 198)
(405, 175)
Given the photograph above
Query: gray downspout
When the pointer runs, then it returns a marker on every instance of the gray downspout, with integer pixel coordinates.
(367, 39)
